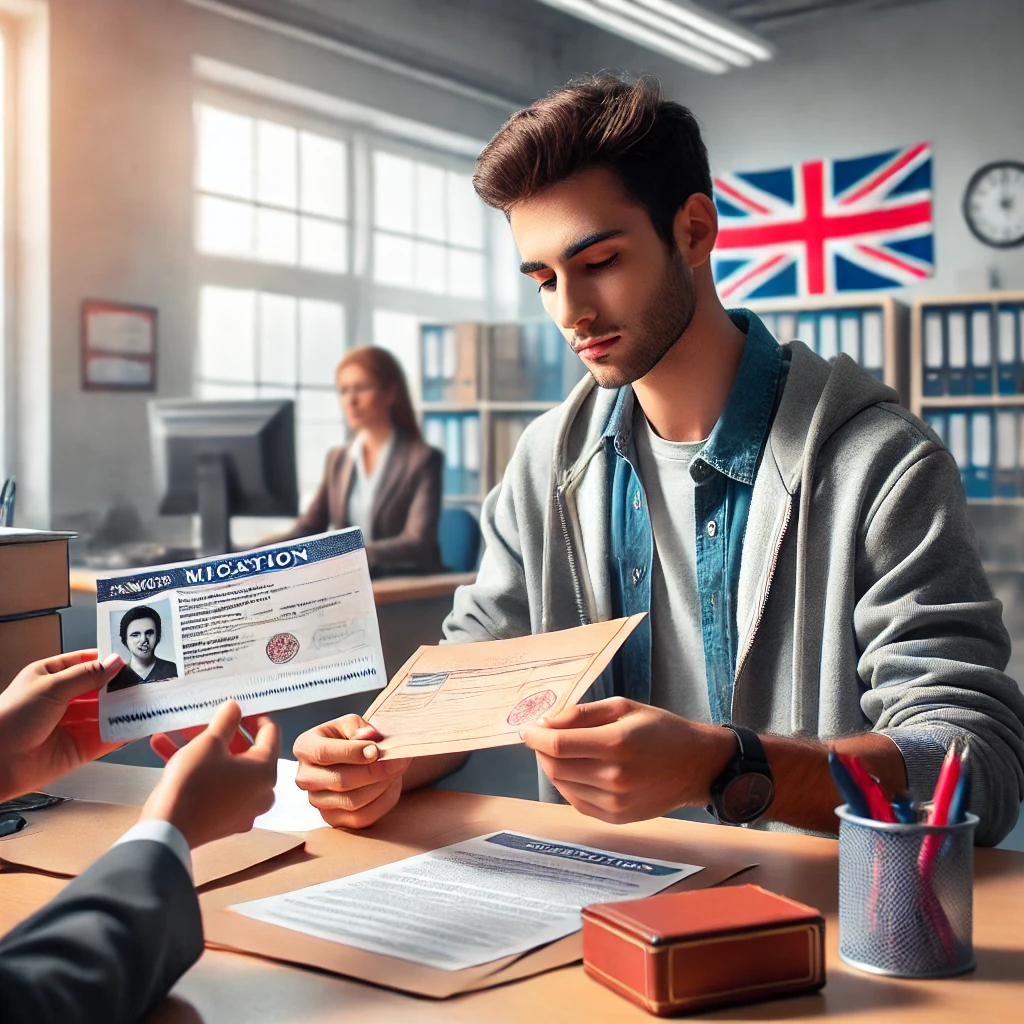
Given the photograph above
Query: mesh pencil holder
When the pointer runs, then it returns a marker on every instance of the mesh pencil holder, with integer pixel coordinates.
(905, 896)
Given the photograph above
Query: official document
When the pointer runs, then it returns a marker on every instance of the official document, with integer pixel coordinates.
(271, 628)
(468, 696)
(470, 903)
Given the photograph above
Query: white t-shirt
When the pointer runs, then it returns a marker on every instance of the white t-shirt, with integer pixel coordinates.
(364, 485)
(678, 674)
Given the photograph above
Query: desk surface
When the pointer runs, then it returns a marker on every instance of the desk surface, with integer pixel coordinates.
(225, 987)
(389, 590)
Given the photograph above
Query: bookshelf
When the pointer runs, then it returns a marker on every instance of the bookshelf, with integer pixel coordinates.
(967, 383)
(481, 385)
(872, 329)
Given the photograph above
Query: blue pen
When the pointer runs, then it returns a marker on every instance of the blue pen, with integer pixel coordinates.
(847, 787)
(903, 808)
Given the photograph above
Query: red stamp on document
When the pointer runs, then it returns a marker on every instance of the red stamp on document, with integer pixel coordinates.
(282, 647)
(532, 707)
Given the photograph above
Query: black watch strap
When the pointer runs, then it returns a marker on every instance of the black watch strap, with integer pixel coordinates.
(751, 750)
(750, 759)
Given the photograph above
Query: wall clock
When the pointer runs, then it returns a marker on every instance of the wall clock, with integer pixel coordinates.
(994, 204)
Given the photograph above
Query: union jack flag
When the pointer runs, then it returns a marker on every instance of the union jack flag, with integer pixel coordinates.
(826, 226)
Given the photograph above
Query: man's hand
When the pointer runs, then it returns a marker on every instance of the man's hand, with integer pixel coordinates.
(34, 747)
(340, 770)
(206, 792)
(621, 761)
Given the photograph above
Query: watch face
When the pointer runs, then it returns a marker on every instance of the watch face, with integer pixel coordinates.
(994, 204)
(746, 797)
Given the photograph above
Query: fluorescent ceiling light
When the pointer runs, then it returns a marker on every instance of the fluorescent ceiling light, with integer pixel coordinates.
(679, 30)
(716, 28)
(645, 37)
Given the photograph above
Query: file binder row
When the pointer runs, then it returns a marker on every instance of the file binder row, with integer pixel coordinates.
(859, 333)
(457, 434)
(449, 358)
(988, 446)
(530, 362)
(972, 349)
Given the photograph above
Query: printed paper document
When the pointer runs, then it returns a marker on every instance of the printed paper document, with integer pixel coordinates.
(468, 696)
(272, 628)
(470, 903)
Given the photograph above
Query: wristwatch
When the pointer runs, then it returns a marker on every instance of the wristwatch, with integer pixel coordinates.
(744, 791)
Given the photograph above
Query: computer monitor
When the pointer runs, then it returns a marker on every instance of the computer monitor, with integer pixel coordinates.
(224, 459)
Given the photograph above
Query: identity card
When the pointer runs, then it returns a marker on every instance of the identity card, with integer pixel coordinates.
(270, 628)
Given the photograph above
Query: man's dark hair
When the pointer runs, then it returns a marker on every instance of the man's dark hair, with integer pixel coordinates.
(142, 612)
(652, 145)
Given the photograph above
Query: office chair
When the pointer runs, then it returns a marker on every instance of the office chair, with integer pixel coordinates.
(459, 537)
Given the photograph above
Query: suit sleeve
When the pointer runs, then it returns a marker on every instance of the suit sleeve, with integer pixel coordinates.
(109, 946)
(417, 544)
(934, 645)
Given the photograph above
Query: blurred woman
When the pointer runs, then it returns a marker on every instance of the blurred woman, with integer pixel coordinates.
(386, 480)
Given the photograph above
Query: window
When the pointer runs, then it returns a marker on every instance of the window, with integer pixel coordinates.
(270, 192)
(428, 228)
(313, 235)
(255, 344)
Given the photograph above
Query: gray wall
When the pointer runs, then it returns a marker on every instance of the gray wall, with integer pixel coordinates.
(121, 138)
(948, 72)
(121, 190)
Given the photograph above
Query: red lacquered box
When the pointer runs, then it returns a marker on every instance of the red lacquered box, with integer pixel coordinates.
(691, 951)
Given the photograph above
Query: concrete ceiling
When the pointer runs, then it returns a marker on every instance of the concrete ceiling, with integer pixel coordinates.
(767, 16)
(774, 17)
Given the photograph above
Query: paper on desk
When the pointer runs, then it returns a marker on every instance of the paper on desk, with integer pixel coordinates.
(271, 628)
(66, 839)
(459, 697)
(470, 903)
(292, 811)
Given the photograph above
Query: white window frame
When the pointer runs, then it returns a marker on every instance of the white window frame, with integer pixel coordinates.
(356, 291)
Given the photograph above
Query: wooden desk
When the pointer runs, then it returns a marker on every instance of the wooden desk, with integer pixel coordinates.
(225, 987)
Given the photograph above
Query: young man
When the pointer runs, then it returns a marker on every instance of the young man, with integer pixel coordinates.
(111, 944)
(800, 541)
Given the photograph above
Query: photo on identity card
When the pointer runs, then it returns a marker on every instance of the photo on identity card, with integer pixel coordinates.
(271, 628)
(144, 635)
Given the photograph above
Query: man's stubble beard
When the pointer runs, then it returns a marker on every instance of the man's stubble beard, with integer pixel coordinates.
(658, 327)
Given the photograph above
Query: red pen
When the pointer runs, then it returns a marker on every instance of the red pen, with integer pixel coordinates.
(878, 807)
(949, 776)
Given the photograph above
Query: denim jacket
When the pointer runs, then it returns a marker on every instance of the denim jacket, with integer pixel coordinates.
(723, 472)
(861, 603)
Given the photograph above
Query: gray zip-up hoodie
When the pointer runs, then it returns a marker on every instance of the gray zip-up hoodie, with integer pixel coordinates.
(862, 602)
